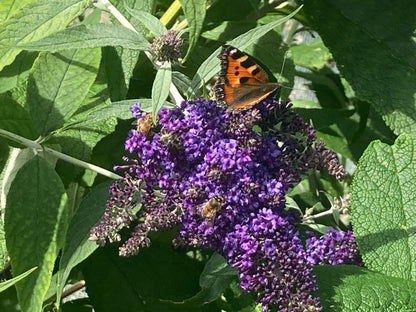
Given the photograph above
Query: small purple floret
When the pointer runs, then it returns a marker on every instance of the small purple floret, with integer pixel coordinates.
(335, 247)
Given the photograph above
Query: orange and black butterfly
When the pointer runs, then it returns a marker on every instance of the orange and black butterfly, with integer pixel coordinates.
(241, 83)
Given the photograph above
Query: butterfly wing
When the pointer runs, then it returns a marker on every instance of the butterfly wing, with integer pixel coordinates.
(242, 82)
(248, 95)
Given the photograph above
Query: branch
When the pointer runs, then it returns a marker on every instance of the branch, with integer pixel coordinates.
(38, 147)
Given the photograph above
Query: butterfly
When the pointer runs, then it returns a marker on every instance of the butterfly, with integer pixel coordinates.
(241, 83)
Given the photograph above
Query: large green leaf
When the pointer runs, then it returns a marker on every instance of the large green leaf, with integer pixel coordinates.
(383, 201)
(344, 288)
(59, 85)
(10, 7)
(14, 118)
(195, 14)
(112, 65)
(77, 247)
(17, 72)
(80, 134)
(209, 67)
(89, 36)
(148, 280)
(313, 55)
(35, 225)
(119, 109)
(375, 52)
(79, 140)
(33, 21)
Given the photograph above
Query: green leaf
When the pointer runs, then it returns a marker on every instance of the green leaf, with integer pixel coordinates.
(123, 6)
(375, 53)
(333, 139)
(119, 109)
(16, 159)
(128, 59)
(160, 88)
(183, 83)
(89, 36)
(215, 278)
(228, 30)
(195, 14)
(313, 55)
(149, 21)
(112, 65)
(215, 269)
(79, 140)
(327, 123)
(383, 197)
(35, 225)
(77, 247)
(17, 72)
(347, 288)
(327, 88)
(9, 301)
(321, 117)
(4, 257)
(209, 67)
(117, 283)
(14, 118)
(11, 282)
(10, 7)
(34, 21)
(59, 85)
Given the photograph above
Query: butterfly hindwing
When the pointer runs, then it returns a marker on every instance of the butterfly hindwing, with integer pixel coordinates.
(242, 82)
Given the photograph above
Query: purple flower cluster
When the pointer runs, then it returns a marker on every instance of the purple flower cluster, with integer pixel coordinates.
(167, 47)
(248, 159)
(271, 261)
(335, 247)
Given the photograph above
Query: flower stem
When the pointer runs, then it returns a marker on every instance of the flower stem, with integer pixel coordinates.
(38, 147)
(171, 13)
(116, 13)
(318, 215)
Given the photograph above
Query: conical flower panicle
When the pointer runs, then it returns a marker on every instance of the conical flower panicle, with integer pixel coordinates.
(208, 171)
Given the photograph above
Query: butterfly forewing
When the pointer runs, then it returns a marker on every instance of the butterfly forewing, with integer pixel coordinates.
(242, 69)
(242, 82)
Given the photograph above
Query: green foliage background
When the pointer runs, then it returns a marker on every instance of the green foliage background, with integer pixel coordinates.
(67, 80)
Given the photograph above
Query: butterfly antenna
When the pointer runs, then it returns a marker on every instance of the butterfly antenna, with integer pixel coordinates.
(283, 64)
(281, 75)
(283, 67)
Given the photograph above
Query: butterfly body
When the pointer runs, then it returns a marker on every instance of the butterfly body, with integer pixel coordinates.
(242, 83)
